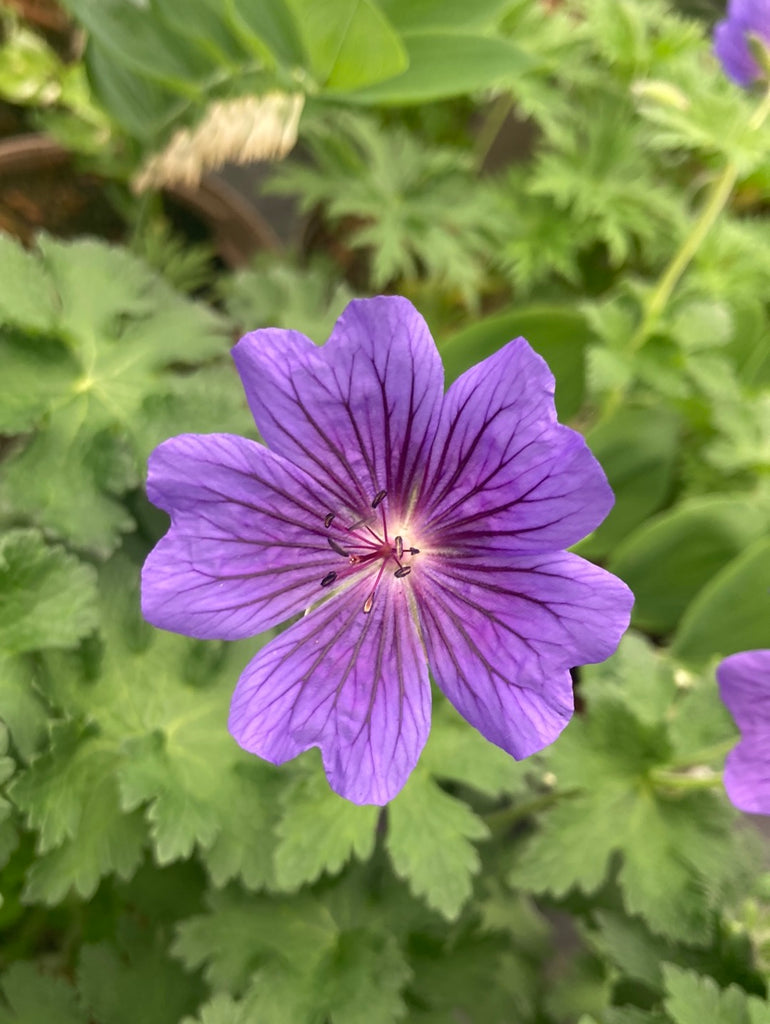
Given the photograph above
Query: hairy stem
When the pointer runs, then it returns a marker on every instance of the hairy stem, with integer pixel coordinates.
(503, 819)
(720, 193)
(714, 752)
(664, 779)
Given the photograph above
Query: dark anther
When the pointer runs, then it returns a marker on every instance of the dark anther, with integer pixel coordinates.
(399, 547)
(403, 571)
(328, 579)
(356, 524)
(328, 519)
(414, 551)
(337, 547)
(379, 496)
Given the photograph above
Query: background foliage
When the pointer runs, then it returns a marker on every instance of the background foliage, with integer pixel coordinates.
(151, 870)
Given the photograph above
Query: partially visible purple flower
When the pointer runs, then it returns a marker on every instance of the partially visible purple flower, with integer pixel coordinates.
(731, 39)
(412, 527)
(744, 685)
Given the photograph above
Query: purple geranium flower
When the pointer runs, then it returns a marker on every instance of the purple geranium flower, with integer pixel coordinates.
(411, 526)
(731, 38)
(744, 685)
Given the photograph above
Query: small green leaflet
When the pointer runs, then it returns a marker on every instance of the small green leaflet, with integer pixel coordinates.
(47, 597)
(693, 999)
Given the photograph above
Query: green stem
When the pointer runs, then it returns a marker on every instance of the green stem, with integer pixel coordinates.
(703, 756)
(507, 816)
(658, 299)
(490, 129)
(720, 192)
(679, 780)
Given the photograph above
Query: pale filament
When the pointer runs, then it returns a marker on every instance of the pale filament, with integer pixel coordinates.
(361, 544)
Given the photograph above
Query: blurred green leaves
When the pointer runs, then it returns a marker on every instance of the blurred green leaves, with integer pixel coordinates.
(155, 872)
(402, 207)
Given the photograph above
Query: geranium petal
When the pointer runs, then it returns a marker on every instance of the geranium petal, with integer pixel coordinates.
(744, 685)
(731, 38)
(247, 545)
(359, 413)
(504, 475)
(747, 776)
(354, 685)
(501, 638)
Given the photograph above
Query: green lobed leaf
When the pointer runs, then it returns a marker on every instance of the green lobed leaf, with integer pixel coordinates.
(360, 983)
(475, 978)
(626, 943)
(156, 753)
(21, 706)
(637, 675)
(221, 1009)
(429, 841)
(239, 931)
(319, 832)
(118, 337)
(676, 853)
(693, 999)
(291, 960)
(632, 1015)
(32, 997)
(69, 795)
(244, 846)
(56, 481)
(454, 752)
(135, 981)
(678, 848)
(47, 597)
(27, 296)
(275, 293)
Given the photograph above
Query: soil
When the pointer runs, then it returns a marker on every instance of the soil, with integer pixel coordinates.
(42, 188)
(57, 199)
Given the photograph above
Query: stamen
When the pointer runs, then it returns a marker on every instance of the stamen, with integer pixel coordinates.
(399, 546)
(328, 579)
(403, 571)
(379, 496)
(414, 551)
(336, 547)
(328, 519)
(356, 524)
(368, 603)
